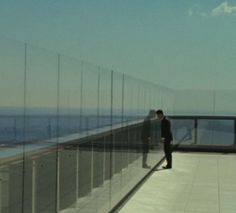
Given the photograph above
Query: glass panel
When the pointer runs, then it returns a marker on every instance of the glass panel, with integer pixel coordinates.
(90, 97)
(103, 147)
(12, 66)
(215, 132)
(41, 119)
(183, 131)
(79, 153)
(104, 110)
(69, 130)
(128, 164)
(101, 192)
(85, 178)
(70, 97)
(116, 180)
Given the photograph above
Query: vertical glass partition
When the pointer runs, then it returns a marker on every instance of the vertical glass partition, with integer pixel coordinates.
(215, 132)
(86, 149)
(71, 132)
(104, 150)
(12, 122)
(118, 139)
(69, 125)
(41, 131)
(70, 96)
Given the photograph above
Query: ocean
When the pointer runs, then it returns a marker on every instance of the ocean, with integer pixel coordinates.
(16, 129)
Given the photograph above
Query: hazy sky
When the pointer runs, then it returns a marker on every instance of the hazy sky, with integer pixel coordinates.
(179, 43)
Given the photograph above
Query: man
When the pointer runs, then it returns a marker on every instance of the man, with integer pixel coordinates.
(166, 137)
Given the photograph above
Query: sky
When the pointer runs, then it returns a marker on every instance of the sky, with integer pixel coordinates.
(180, 44)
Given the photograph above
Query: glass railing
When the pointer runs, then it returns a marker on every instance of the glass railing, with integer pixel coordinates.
(71, 132)
(205, 132)
(51, 106)
(91, 173)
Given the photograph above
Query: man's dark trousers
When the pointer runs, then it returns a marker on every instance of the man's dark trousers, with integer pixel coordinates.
(168, 153)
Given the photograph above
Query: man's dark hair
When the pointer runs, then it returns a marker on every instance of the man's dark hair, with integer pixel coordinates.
(159, 111)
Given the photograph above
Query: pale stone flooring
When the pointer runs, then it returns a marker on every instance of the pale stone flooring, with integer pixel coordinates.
(198, 183)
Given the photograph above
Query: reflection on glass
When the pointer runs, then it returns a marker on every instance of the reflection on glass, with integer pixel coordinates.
(147, 137)
(216, 132)
(12, 72)
(183, 131)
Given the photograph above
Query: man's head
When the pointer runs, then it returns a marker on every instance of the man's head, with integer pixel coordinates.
(160, 114)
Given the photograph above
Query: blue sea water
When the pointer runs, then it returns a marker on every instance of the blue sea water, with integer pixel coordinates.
(17, 129)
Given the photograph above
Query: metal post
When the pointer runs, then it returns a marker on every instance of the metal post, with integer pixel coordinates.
(111, 146)
(104, 159)
(77, 175)
(129, 145)
(111, 112)
(81, 95)
(138, 102)
(24, 127)
(235, 132)
(33, 186)
(15, 133)
(57, 132)
(195, 130)
(122, 120)
(123, 99)
(92, 153)
(58, 183)
(98, 99)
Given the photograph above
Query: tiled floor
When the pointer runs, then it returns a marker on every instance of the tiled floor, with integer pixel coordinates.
(198, 183)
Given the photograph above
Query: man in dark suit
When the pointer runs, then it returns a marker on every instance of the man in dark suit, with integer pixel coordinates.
(166, 137)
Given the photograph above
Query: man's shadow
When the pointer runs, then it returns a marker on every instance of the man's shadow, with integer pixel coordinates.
(159, 169)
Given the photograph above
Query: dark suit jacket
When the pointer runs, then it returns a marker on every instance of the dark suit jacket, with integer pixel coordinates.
(166, 130)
